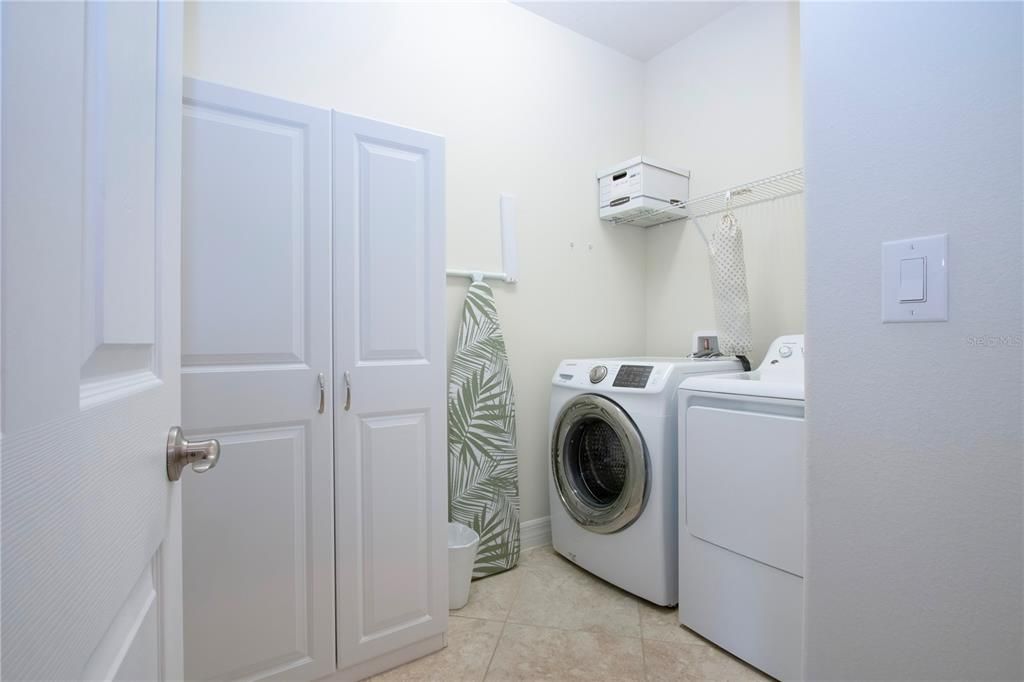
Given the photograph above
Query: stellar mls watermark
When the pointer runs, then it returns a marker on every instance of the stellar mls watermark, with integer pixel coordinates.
(996, 340)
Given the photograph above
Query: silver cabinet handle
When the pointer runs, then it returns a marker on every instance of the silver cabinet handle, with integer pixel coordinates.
(320, 378)
(348, 391)
(201, 454)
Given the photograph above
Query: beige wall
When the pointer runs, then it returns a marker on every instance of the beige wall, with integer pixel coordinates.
(525, 107)
(725, 103)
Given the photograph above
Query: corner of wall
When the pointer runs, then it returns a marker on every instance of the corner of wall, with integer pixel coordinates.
(727, 135)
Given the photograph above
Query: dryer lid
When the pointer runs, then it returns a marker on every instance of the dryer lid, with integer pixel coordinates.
(745, 384)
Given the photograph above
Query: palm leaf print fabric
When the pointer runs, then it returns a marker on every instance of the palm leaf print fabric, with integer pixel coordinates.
(483, 473)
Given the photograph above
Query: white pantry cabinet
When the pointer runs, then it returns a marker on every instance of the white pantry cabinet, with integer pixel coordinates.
(390, 405)
(320, 545)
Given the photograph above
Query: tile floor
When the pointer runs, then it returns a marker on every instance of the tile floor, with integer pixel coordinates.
(549, 620)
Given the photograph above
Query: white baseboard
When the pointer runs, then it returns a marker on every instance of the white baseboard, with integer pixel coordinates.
(535, 533)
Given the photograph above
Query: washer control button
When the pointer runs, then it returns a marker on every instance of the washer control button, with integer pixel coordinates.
(598, 373)
(785, 351)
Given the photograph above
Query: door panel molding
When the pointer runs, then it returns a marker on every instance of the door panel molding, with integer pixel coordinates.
(393, 453)
(138, 613)
(391, 238)
(223, 569)
(248, 293)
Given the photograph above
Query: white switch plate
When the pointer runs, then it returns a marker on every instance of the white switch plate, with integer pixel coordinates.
(934, 307)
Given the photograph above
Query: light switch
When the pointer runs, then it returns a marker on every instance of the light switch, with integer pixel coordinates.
(915, 280)
(912, 279)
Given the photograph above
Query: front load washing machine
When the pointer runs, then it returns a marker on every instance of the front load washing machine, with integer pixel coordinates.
(742, 499)
(613, 468)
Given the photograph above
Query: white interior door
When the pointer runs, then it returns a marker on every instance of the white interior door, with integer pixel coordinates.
(91, 99)
(256, 341)
(390, 389)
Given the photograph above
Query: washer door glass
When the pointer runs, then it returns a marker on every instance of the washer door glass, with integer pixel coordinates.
(599, 464)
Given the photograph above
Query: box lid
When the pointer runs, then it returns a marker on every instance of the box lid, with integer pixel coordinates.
(645, 159)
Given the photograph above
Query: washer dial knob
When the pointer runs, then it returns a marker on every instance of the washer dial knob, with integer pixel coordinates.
(598, 373)
(785, 351)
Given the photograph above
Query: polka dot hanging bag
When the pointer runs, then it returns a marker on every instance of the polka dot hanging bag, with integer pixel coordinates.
(729, 284)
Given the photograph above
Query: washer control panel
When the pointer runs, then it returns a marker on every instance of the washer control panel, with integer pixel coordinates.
(633, 376)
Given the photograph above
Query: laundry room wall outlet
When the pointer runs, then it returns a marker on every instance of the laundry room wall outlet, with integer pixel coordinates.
(915, 280)
(705, 342)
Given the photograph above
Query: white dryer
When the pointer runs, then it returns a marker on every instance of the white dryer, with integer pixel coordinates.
(613, 468)
(742, 498)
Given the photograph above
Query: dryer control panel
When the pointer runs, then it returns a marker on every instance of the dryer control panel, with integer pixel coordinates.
(784, 360)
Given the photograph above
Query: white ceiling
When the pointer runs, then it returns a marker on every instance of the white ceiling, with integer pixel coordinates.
(639, 29)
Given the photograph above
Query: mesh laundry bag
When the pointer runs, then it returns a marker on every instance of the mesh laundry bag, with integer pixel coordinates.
(729, 284)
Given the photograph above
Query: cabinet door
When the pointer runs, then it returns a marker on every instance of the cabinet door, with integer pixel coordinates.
(256, 340)
(389, 388)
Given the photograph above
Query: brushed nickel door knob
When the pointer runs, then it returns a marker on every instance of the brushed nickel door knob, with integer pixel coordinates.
(201, 454)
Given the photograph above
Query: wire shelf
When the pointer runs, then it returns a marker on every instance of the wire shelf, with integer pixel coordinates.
(766, 189)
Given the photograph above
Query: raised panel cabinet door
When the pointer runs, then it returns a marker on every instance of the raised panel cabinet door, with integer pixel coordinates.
(91, 176)
(390, 404)
(256, 374)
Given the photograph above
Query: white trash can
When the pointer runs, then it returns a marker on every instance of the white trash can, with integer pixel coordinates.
(462, 544)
